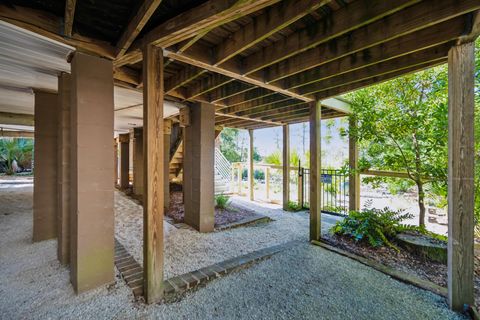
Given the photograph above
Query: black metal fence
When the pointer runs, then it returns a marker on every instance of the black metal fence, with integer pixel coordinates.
(333, 187)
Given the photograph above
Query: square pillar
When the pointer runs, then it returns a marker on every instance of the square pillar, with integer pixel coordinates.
(63, 178)
(199, 167)
(138, 161)
(92, 219)
(124, 140)
(315, 170)
(461, 189)
(286, 166)
(250, 165)
(153, 173)
(354, 177)
(45, 152)
(115, 161)
(167, 132)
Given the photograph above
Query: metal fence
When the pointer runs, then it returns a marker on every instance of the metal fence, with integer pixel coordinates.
(333, 188)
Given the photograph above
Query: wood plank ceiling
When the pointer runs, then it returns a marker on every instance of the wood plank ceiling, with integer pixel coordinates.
(260, 62)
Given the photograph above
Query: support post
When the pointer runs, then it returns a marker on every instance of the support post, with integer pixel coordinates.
(315, 170)
(45, 182)
(199, 167)
(153, 173)
(63, 178)
(138, 161)
(250, 166)
(92, 218)
(267, 183)
(286, 166)
(239, 178)
(300, 187)
(354, 177)
(167, 132)
(124, 140)
(115, 161)
(461, 191)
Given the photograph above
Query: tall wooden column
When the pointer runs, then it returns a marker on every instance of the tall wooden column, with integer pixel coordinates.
(315, 170)
(153, 173)
(124, 140)
(286, 166)
(199, 167)
(354, 177)
(250, 166)
(45, 182)
(92, 217)
(167, 132)
(115, 161)
(63, 176)
(138, 161)
(461, 190)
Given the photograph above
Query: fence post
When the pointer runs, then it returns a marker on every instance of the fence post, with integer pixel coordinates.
(300, 187)
(267, 182)
(239, 178)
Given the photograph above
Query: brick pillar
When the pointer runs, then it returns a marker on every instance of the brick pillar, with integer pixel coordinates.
(198, 167)
(124, 140)
(45, 153)
(63, 178)
(138, 161)
(92, 220)
(167, 132)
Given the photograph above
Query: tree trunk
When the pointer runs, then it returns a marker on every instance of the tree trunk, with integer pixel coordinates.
(421, 204)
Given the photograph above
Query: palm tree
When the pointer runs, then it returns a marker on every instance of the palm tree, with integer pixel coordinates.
(15, 149)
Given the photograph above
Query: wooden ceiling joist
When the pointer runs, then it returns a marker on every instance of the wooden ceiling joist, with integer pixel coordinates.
(147, 8)
(256, 103)
(69, 16)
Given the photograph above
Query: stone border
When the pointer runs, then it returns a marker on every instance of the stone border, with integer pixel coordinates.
(132, 272)
(247, 221)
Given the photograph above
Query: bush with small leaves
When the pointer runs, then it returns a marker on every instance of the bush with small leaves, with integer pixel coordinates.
(222, 201)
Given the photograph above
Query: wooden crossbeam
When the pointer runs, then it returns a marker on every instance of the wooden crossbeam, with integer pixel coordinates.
(208, 84)
(228, 90)
(16, 119)
(16, 134)
(69, 15)
(274, 106)
(419, 16)
(246, 118)
(184, 76)
(247, 96)
(136, 24)
(278, 111)
(256, 103)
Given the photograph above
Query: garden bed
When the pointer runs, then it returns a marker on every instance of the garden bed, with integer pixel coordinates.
(223, 217)
(403, 261)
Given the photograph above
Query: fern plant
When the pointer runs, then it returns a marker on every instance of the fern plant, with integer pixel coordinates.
(222, 201)
(375, 226)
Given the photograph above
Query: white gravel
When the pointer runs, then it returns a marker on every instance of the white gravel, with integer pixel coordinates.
(305, 282)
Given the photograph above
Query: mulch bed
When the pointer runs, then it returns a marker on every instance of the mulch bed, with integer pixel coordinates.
(222, 216)
(403, 261)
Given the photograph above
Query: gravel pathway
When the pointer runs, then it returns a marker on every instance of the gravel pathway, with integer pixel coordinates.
(305, 282)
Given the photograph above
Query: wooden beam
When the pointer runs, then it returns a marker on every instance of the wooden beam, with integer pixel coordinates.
(228, 90)
(273, 109)
(286, 167)
(205, 85)
(231, 116)
(153, 177)
(409, 20)
(315, 171)
(208, 15)
(49, 26)
(250, 166)
(17, 119)
(181, 78)
(256, 103)
(354, 176)
(249, 95)
(136, 24)
(461, 175)
(69, 16)
(15, 134)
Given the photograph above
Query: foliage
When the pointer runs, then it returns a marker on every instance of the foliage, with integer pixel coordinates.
(15, 149)
(258, 175)
(234, 146)
(377, 227)
(293, 206)
(274, 158)
(222, 201)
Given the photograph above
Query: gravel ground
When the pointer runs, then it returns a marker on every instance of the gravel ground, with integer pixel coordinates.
(305, 282)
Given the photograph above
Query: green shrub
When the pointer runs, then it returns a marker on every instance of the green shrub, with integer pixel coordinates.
(222, 201)
(293, 206)
(375, 226)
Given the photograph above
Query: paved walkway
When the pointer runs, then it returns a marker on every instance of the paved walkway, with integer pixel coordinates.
(304, 282)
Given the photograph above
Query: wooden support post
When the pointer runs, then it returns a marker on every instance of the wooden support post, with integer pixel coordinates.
(63, 174)
(92, 214)
(300, 187)
(239, 178)
(124, 140)
(461, 191)
(167, 132)
(138, 161)
(354, 177)
(250, 166)
(153, 173)
(45, 182)
(315, 170)
(286, 166)
(267, 183)
(115, 161)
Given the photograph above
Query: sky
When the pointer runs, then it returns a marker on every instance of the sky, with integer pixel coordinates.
(334, 147)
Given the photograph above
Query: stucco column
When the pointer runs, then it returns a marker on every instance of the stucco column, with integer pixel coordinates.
(138, 161)
(92, 220)
(45, 153)
(167, 132)
(199, 168)
(124, 140)
(63, 178)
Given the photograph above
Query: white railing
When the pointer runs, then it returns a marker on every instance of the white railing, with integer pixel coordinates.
(223, 167)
